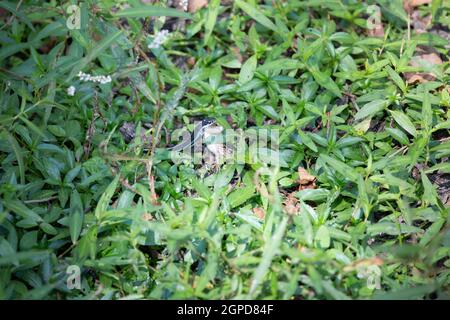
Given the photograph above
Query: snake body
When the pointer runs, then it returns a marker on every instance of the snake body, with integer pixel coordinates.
(199, 130)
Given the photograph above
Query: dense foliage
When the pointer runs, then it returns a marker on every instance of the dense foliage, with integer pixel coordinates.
(358, 207)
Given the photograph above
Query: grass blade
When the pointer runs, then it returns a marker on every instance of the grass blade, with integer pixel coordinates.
(270, 249)
(256, 15)
(18, 152)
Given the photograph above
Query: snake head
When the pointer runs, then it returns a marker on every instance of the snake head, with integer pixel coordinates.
(207, 122)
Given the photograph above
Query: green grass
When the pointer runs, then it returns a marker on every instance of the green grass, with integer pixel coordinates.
(74, 192)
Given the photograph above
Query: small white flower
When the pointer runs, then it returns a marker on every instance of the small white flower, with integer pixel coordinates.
(71, 91)
(87, 77)
(159, 39)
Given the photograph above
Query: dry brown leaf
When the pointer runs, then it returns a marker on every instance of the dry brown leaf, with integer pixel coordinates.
(195, 5)
(304, 176)
(306, 180)
(377, 30)
(259, 212)
(418, 77)
(291, 204)
(375, 261)
(443, 34)
(417, 61)
(191, 61)
(147, 217)
(312, 185)
(420, 24)
(416, 3)
(237, 53)
(432, 58)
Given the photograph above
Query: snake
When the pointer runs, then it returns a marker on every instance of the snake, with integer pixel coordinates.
(198, 132)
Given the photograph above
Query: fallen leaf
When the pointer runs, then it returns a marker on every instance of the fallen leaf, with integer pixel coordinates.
(304, 176)
(306, 180)
(443, 34)
(432, 58)
(291, 204)
(48, 45)
(191, 61)
(408, 5)
(420, 24)
(416, 3)
(3, 12)
(195, 5)
(147, 217)
(375, 261)
(259, 212)
(376, 26)
(237, 53)
(421, 61)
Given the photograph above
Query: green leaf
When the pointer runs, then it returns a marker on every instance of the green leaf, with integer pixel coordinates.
(48, 228)
(202, 190)
(269, 251)
(224, 176)
(339, 234)
(403, 120)
(213, 11)
(444, 167)
(248, 70)
(68, 178)
(323, 237)
(370, 109)
(99, 48)
(87, 246)
(150, 11)
(396, 78)
(103, 203)
(268, 111)
(307, 140)
(76, 216)
(344, 169)
(256, 15)
(310, 210)
(18, 152)
(281, 64)
(23, 256)
(313, 194)
(391, 228)
(22, 210)
(239, 196)
(427, 112)
(250, 218)
(429, 192)
(432, 231)
(325, 81)
(34, 128)
(143, 88)
(398, 135)
(7, 51)
(12, 8)
(408, 293)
